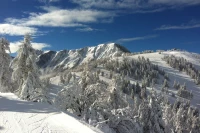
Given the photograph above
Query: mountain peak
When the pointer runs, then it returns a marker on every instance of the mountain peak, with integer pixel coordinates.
(115, 45)
(70, 58)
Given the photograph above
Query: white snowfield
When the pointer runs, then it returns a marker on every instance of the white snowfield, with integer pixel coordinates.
(18, 116)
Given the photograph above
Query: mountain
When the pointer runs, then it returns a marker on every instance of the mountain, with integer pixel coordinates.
(124, 93)
(121, 88)
(70, 58)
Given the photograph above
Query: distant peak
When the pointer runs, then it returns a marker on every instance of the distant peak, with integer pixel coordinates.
(120, 47)
(124, 49)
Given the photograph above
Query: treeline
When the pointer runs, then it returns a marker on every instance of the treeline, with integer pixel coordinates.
(141, 69)
(183, 65)
(106, 107)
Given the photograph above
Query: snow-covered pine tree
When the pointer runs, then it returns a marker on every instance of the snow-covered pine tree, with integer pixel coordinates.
(168, 118)
(175, 84)
(165, 86)
(26, 74)
(197, 80)
(5, 71)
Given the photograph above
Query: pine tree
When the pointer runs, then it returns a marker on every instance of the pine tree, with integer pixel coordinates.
(184, 86)
(168, 118)
(165, 86)
(5, 71)
(197, 80)
(175, 84)
(178, 85)
(26, 73)
(137, 88)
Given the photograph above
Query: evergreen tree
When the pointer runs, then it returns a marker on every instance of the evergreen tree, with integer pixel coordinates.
(197, 81)
(165, 86)
(26, 73)
(5, 71)
(168, 118)
(175, 84)
(137, 88)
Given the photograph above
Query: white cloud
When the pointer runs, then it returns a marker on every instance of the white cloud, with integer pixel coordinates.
(122, 40)
(40, 46)
(54, 0)
(16, 30)
(55, 17)
(175, 2)
(109, 4)
(192, 24)
(135, 4)
(48, 1)
(14, 46)
(88, 29)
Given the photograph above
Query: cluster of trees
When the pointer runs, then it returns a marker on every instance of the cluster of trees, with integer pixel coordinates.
(136, 53)
(141, 69)
(182, 91)
(182, 64)
(21, 75)
(196, 55)
(129, 88)
(123, 107)
(180, 117)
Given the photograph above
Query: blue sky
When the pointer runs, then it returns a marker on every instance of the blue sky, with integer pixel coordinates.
(70, 24)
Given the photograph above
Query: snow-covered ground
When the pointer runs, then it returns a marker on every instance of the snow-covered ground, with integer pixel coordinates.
(18, 116)
(156, 59)
(174, 74)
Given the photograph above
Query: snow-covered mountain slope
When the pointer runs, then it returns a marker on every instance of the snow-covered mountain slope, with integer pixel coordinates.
(98, 81)
(194, 58)
(174, 74)
(70, 58)
(17, 116)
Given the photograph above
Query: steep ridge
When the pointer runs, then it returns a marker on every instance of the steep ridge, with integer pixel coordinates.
(70, 58)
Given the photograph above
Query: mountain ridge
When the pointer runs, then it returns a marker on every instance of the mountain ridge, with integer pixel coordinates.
(70, 58)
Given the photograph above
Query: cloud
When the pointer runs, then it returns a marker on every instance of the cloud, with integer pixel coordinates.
(16, 30)
(123, 40)
(88, 29)
(175, 2)
(191, 25)
(40, 46)
(14, 46)
(135, 5)
(48, 1)
(56, 17)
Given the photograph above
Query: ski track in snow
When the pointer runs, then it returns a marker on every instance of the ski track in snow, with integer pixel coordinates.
(17, 116)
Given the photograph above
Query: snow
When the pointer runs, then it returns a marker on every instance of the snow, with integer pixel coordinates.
(27, 117)
(68, 59)
(156, 59)
(182, 77)
(186, 55)
(101, 50)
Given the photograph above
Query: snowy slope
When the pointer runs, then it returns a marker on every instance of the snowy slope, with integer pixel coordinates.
(70, 58)
(156, 59)
(56, 86)
(181, 77)
(194, 58)
(17, 116)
